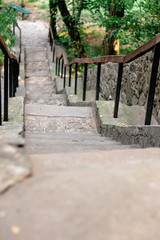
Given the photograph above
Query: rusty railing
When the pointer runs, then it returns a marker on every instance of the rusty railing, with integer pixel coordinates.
(11, 73)
(120, 60)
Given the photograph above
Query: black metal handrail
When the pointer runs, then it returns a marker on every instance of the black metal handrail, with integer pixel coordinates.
(11, 73)
(120, 60)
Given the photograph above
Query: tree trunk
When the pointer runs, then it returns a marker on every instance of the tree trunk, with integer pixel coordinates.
(110, 45)
(73, 32)
(53, 11)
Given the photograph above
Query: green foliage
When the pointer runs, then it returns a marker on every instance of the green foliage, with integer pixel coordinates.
(139, 23)
(7, 20)
(92, 51)
(43, 5)
(141, 20)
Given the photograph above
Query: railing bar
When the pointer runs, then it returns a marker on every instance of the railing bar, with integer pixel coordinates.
(152, 84)
(17, 74)
(56, 65)
(14, 78)
(53, 54)
(70, 71)
(5, 88)
(76, 70)
(85, 81)
(10, 78)
(118, 89)
(62, 68)
(98, 81)
(59, 66)
(64, 80)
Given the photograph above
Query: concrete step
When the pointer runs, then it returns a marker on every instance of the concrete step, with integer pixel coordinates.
(37, 65)
(54, 99)
(59, 119)
(40, 88)
(50, 143)
(58, 111)
(86, 196)
(30, 49)
(37, 73)
(36, 56)
(34, 79)
(11, 131)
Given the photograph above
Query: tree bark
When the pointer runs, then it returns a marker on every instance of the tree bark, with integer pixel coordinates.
(110, 45)
(73, 32)
(53, 11)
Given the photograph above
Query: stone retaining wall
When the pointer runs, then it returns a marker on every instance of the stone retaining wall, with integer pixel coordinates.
(135, 83)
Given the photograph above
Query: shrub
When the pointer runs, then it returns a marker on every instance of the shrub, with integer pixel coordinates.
(7, 21)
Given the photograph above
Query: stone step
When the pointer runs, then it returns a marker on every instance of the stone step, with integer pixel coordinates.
(30, 49)
(37, 73)
(11, 131)
(48, 124)
(53, 100)
(36, 56)
(37, 65)
(56, 111)
(49, 143)
(34, 80)
(40, 88)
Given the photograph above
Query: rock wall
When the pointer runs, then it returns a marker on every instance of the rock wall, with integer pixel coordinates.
(135, 82)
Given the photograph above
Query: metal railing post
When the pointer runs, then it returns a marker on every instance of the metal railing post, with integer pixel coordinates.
(118, 89)
(10, 78)
(64, 79)
(5, 88)
(152, 84)
(85, 81)
(59, 66)
(98, 81)
(14, 77)
(56, 65)
(17, 74)
(76, 70)
(62, 68)
(53, 54)
(50, 40)
(70, 71)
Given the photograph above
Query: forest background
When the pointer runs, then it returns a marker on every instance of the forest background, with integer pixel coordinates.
(90, 28)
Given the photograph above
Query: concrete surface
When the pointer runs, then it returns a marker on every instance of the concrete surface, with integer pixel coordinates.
(57, 111)
(129, 127)
(14, 165)
(113, 195)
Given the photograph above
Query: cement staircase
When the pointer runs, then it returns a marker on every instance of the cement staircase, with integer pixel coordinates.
(77, 191)
(50, 125)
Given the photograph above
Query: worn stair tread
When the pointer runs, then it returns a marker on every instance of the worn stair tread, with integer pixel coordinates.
(59, 111)
(48, 143)
(62, 138)
(34, 79)
(40, 89)
(34, 83)
(37, 73)
(53, 100)
(37, 65)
